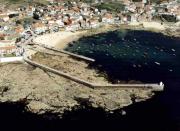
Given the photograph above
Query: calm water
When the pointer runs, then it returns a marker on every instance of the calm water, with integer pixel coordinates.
(142, 56)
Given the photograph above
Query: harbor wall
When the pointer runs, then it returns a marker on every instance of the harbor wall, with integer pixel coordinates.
(66, 52)
(11, 59)
(154, 87)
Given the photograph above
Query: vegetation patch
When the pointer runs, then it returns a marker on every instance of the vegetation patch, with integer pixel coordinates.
(16, 3)
(111, 6)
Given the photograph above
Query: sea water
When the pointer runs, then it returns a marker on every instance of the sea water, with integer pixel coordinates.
(126, 55)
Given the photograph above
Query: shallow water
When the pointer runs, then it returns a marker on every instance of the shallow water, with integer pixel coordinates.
(141, 56)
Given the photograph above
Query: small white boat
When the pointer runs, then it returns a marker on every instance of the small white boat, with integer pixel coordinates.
(173, 50)
(170, 70)
(139, 66)
(134, 65)
(157, 63)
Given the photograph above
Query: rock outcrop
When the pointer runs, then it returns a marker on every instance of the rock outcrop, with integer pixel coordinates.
(44, 92)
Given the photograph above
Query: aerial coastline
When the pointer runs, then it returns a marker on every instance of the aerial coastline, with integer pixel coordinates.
(29, 30)
(63, 38)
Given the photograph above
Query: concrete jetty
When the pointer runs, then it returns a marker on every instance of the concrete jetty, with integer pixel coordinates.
(11, 59)
(66, 52)
(154, 87)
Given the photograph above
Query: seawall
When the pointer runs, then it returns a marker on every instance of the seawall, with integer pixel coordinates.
(11, 59)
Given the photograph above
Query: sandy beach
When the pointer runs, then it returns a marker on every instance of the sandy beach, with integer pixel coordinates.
(153, 25)
(59, 39)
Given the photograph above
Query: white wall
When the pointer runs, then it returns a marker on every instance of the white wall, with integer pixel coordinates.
(11, 59)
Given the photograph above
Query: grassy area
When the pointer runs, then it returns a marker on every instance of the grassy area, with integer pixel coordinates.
(9, 55)
(111, 6)
(152, 1)
(16, 3)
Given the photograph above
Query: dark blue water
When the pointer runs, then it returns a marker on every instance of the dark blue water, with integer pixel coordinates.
(142, 56)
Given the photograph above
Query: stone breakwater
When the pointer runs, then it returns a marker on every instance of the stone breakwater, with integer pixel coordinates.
(76, 68)
(45, 92)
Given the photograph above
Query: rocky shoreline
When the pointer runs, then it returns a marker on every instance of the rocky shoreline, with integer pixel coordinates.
(44, 92)
(168, 29)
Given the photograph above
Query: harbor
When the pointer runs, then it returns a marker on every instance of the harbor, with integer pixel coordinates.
(68, 69)
(130, 98)
(101, 64)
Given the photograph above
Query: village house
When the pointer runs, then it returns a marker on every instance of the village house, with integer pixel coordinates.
(102, 12)
(7, 50)
(60, 23)
(94, 23)
(134, 17)
(2, 36)
(39, 28)
(4, 17)
(7, 47)
(124, 19)
(73, 27)
(130, 7)
(108, 18)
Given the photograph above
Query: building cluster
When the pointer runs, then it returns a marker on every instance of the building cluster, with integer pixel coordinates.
(145, 10)
(73, 16)
(9, 49)
(26, 21)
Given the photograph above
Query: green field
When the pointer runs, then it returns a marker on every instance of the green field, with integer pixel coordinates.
(111, 6)
(15, 3)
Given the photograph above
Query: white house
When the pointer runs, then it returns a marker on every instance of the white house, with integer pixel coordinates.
(107, 18)
(72, 27)
(178, 17)
(94, 23)
(60, 23)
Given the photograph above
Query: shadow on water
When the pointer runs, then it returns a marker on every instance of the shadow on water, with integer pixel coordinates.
(139, 117)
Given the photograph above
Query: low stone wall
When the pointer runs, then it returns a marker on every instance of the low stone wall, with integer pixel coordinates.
(58, 72)
(66, 52)
(11, 59)
(154, 87)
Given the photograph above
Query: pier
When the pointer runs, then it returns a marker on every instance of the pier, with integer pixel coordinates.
(11, 59)
(154, 87)
(66, 52)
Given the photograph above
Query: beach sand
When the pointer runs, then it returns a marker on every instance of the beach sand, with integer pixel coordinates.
(153, 25)
(59, 39)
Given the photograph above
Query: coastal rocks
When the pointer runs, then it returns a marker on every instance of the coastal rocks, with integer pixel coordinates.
(172, 31)
(44, 92)
(177, 24)
(38, 107)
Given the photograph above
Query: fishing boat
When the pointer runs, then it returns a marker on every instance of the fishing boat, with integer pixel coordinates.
(157, 63)
(173, 50)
